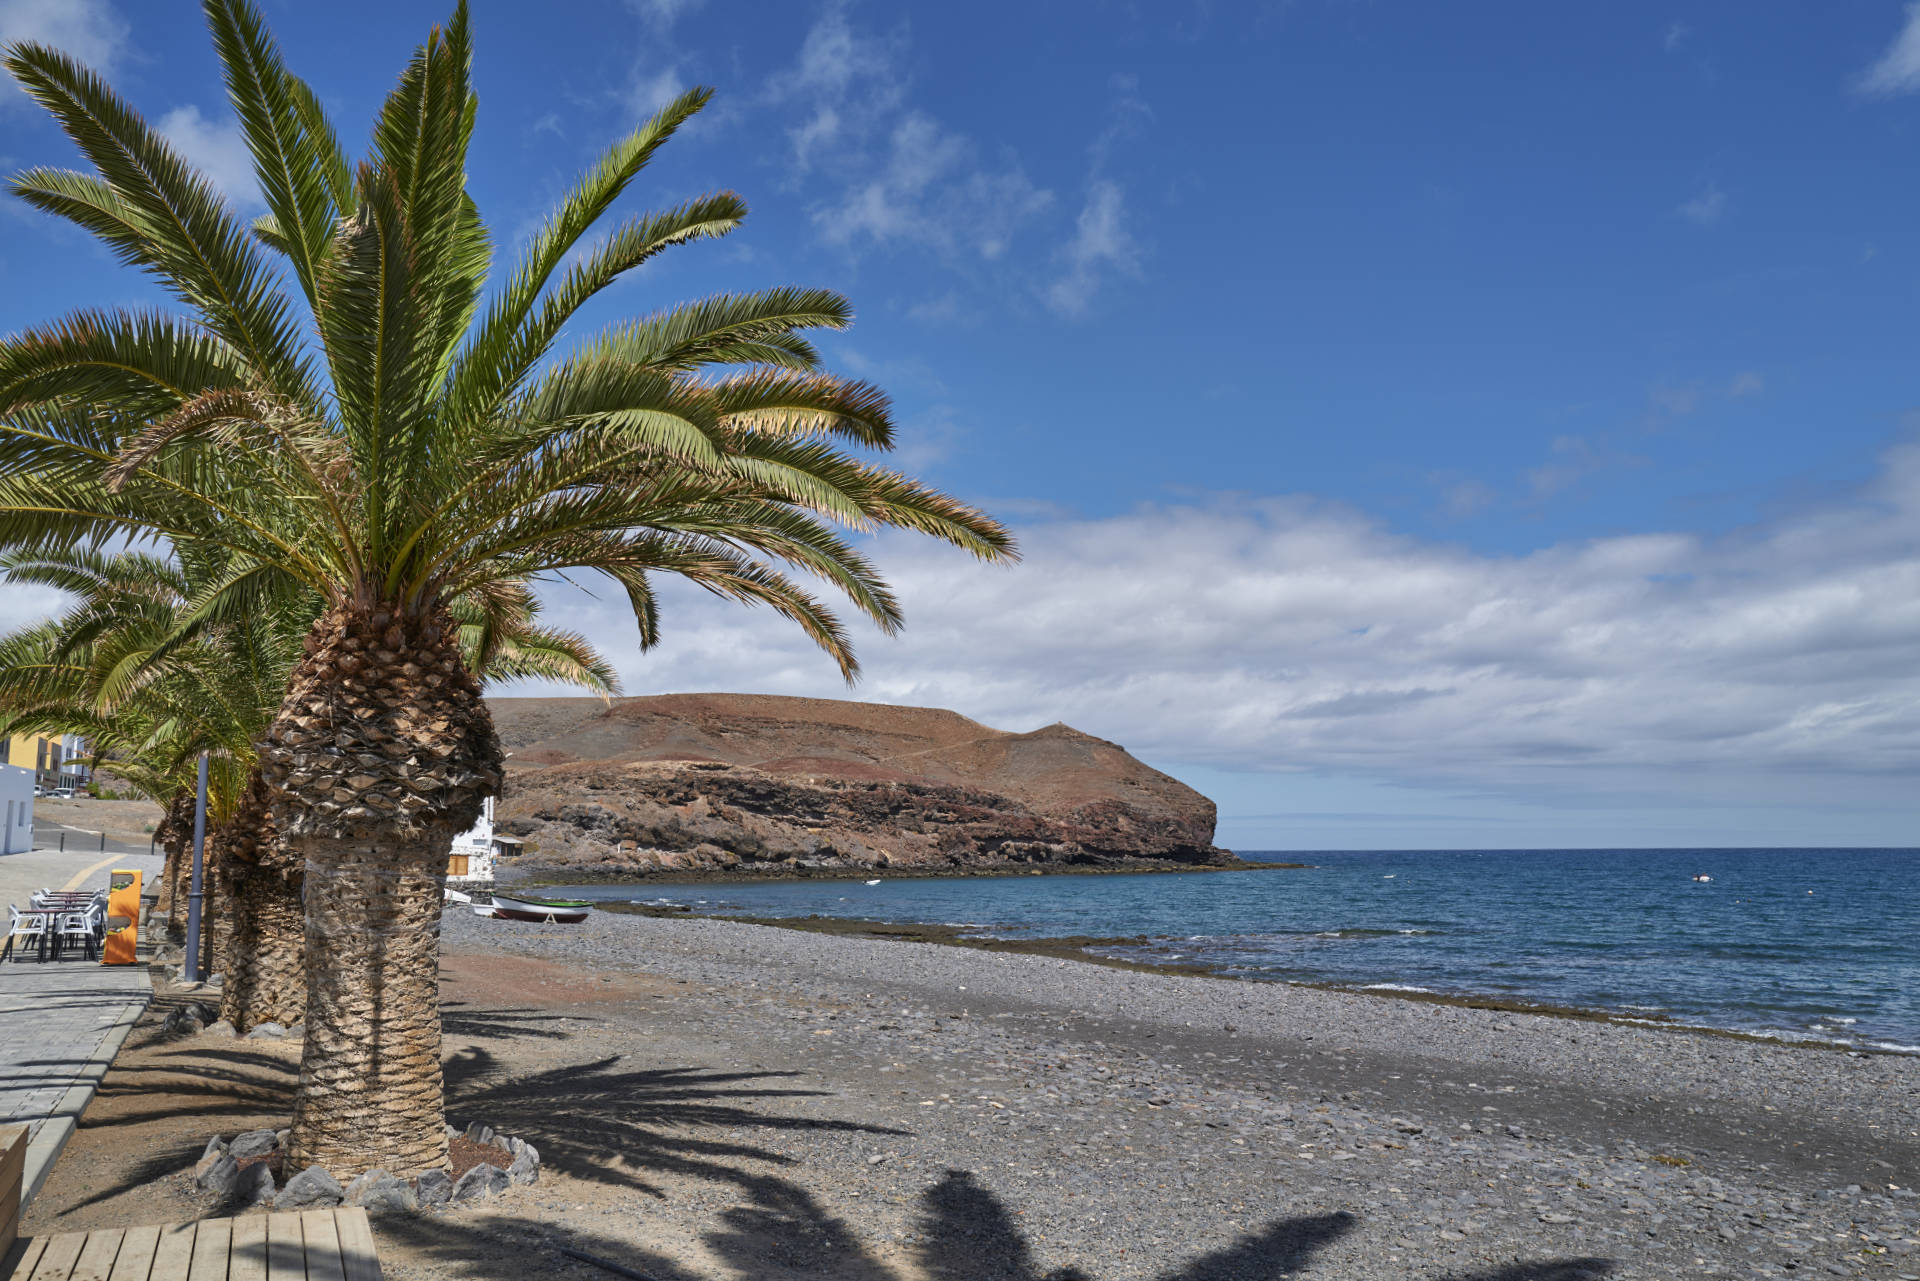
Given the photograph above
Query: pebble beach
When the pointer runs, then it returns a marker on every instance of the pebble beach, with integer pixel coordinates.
(896, 1103)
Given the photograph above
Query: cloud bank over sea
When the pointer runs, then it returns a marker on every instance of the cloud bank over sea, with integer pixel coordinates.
(1289, 634)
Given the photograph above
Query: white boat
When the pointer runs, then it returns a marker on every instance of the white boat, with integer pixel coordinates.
(547, 911)
(481, 909)
(873, 882)
(1703, 877)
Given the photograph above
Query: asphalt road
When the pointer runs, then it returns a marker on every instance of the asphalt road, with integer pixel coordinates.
(52, 836)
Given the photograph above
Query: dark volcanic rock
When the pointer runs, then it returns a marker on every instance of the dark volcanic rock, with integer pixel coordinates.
(756, 783)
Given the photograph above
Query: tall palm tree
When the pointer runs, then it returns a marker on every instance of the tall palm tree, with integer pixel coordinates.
(418, 442)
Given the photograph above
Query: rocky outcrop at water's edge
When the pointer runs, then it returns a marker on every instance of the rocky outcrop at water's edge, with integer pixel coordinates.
(752, 785)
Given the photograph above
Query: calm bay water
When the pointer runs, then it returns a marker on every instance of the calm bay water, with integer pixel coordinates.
(1821, 944)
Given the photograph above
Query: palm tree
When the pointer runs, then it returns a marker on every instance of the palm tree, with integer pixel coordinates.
(419, 442)
(129, 666)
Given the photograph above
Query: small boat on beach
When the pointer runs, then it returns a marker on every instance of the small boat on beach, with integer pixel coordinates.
(546, 911)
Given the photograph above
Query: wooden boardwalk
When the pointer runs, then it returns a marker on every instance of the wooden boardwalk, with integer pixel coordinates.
(311, 1245)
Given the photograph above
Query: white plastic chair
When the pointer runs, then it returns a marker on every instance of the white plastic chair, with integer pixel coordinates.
(77, 927)
(20, 927)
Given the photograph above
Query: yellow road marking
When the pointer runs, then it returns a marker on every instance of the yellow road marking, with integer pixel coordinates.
(79, 877)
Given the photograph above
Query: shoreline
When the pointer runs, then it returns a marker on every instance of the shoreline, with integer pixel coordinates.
(1076, 948)
(547, 875)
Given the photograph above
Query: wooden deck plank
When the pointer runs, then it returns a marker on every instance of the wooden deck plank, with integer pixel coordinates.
(63, 1251)
(248, 1261)
(323, 1246)
(96, 1257)
(286, 1248)
(210, 1245)
(33, 1248)
(173, 1253)
(357, 1255)
(135, 1260)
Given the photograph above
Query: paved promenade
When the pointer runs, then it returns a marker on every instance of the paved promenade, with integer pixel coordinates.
(61, 1023)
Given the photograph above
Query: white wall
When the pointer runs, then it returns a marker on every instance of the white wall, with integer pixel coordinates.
(16, 809)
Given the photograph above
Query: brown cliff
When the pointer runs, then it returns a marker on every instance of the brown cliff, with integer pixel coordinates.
(758, 784)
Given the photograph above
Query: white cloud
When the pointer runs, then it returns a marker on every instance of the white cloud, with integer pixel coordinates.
(891, 174)
(1676, 35)
(1705, 209)
(1101, 243)
(1898, 69)
(1284, 634)
(217, 148)
(90, 30)
(1748, 382)
(664, 13)
(653, 90)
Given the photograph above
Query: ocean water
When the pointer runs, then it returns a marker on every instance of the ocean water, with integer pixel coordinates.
(1820, 944)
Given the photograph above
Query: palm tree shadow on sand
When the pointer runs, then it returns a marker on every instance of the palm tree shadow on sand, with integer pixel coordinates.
(599, 1122)
(966, 1234)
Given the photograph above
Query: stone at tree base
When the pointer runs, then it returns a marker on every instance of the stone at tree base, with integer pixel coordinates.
(312, 1188)
(433, 1188)
(268, 1032)
(480, 1133)
(216, 1148)
(525, 1167)
(222, 1028)
(218, 1178)
(298, 1032)
(184, 1022)
(380, 1192)
(253, 1143)
(479, 1183)
(254, 1186)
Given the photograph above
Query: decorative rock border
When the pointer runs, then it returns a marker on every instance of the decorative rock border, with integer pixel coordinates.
(219, 1171)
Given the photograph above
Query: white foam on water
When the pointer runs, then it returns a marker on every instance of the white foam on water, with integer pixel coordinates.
(1395, 987)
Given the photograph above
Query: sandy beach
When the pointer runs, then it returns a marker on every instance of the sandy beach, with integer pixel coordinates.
(722, 1100)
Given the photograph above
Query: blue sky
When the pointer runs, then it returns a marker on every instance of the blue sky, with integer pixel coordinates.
(1430, 425)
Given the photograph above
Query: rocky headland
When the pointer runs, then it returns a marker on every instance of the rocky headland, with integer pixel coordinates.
(738, 785)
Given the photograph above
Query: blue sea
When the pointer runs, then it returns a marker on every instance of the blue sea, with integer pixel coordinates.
(1817, 944)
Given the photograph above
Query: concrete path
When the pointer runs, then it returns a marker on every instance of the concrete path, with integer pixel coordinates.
(61, 1023)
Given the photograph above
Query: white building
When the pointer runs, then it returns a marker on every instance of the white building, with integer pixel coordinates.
(16, 809)
(470, 860)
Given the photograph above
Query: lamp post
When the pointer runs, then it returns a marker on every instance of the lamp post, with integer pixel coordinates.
(191, 971)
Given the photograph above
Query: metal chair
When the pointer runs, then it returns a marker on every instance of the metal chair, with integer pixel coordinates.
(78, 927)
(29, 926)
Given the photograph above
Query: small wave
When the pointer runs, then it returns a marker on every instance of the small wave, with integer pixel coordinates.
(1396, 987)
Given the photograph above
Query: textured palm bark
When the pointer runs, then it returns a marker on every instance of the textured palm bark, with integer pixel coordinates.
(261, 922)
(381, 754)
(265, 960)
(175, 834)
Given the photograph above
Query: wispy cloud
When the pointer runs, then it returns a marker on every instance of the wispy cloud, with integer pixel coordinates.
(664, 13)
(1898, 69)
(91, 30)
(1705, 209)
(1748, 382)
(218, 149)
(895, 174)
(653, 89)
(1100, 242)
(1675, 36)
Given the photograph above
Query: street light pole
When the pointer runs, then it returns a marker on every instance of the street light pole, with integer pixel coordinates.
(191, 971)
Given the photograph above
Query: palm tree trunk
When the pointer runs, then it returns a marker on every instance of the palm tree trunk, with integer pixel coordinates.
(265, 959)
(261, 926)
(175, 834)
(381, 754)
